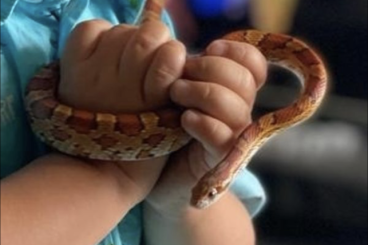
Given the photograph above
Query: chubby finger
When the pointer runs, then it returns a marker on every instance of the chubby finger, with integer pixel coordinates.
(214, 100)
(112, 45)
(166, 68)
(224, 72)
(215, 136)
(84, 39)
(245, 54)
(140, 51)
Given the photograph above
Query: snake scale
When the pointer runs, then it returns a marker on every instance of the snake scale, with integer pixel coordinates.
(151, 134)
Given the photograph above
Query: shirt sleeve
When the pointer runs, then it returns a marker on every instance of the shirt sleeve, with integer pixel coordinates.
(250, 191)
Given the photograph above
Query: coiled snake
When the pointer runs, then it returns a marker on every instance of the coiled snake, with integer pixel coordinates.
(146, 135)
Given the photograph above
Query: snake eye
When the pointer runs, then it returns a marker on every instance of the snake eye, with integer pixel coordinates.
(213, 193)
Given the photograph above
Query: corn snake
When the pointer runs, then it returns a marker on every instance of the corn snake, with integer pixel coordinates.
(145, 135)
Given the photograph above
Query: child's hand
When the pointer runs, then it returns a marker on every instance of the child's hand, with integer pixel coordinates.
(122, 69)
(219, 94)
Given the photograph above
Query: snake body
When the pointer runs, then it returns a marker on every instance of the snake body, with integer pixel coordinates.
(145, 135)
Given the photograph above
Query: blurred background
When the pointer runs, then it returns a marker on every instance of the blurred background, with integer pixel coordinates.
(315, 175)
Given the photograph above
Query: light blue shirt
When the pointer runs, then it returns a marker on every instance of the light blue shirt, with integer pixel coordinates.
(33, 33)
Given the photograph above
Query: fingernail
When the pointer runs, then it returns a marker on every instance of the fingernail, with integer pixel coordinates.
(191, 115)
(182, 84)
(217, 48)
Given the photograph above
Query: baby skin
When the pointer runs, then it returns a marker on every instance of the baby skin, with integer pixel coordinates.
(132, 69)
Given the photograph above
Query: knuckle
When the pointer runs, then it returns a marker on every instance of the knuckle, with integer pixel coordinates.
(170, 60)
(213, 128)
(206, 92)
(255, 54)
(240, 119)
(159, 29)
(120, 28)
(245, 81)
(165, 73)
(144, 41)
(175, 45)
(245, 118)
(152, 34)
(259, 64)
(238, 111)
(251, 58)
(91, 24)
(172, 53)
(245, 51)
(201, 65)
(239, 116)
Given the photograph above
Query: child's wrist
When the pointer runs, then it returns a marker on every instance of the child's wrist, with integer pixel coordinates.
(132, 192)
(171, 196)
(170, 210)
(124, 184)
(134, 182)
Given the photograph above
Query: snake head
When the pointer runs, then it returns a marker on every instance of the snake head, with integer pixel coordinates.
(205, 194)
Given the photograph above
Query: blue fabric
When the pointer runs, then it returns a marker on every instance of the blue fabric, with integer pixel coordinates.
(33, 33)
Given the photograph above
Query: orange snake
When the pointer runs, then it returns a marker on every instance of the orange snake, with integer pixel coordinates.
(151, 134)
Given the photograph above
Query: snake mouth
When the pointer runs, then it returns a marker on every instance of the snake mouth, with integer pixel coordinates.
(202, 204)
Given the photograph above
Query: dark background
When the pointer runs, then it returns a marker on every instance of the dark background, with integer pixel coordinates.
(315, 175)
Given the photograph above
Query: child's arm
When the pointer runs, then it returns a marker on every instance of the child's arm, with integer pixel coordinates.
(220, 95)
(226, 222)
(60, 200)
